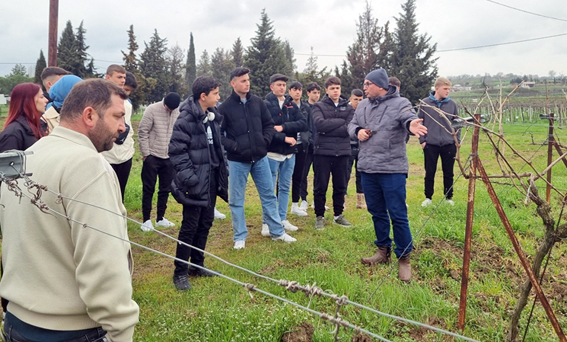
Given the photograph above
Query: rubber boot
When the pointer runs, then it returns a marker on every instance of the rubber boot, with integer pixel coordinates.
(382, 256)
(360, 201)
(404, 268)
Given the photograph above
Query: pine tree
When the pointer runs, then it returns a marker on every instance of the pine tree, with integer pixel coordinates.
(81, 50)
(153, 64)
(289, 58)
(39, 66)
(221, 65)
(130, 59)
(191, 64)
(67, 49)
(412, 58)
(237, 53)
(264, 57)
(204, 66)
(311, 73)
(18, 70)
(371, 50)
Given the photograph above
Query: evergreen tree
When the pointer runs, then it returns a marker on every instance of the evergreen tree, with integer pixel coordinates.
(289, 58)
(67, 49)
(221, 65)
(130, 59)
(264, 57)
(191, 64)
(153, 64)
(204, 66)
(176, 70)
(81, 50)
(39, 66)
(237, 53)
(371, 50)
(18, 70)
(311, 73)
(412, 58)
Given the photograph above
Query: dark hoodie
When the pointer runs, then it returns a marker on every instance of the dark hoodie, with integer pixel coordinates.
(331, 127)
(192, 157)
(437, 135)
(290, 118)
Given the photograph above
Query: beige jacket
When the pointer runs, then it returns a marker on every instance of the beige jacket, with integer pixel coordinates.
(51, 117)
(124, 152)
(155, 130)
(58, 274)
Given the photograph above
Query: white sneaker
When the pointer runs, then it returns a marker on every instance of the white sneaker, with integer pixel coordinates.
(265, 230)
(165, 223)
(147, 226)
(426, 202)
(450, 201)
(239, 244)
(304, 205)
(288, 226)
(219, 215)
(285, 238)
(295, 210)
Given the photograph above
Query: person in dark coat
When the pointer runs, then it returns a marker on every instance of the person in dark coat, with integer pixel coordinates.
(247, 130)
(197, 155)
(331, 116)
(23, 125)
(288, 122)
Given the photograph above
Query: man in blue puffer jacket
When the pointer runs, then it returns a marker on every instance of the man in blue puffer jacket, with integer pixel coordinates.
(439, 142)
(197, 155)
(381, 123)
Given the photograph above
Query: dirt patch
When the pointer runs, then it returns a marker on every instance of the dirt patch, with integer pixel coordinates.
(300, 333)
(361, 338)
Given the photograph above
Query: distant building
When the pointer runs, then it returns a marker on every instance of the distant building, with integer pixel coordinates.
(458, 87)
(528, 84)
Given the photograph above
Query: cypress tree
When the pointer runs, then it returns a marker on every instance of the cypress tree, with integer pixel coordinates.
(412, 58)
(39, 66)
(265, 57)
(191, 65)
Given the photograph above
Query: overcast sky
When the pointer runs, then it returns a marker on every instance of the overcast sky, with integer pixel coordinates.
(329, 26)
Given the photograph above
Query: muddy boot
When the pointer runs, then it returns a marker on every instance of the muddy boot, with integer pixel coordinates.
(360, 201)
(404, 268)
(382, 256)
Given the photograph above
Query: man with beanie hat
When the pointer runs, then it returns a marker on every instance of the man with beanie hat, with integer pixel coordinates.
(154, 134)
(381, 123)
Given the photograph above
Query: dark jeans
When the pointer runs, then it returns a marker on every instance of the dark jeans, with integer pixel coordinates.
(385, 195)
(354, 160)
(153, 168)
(197, 222)
(123, 172)
(306, 167)
(15, 331)
(323, 168)
(298, 171)
(431, 154)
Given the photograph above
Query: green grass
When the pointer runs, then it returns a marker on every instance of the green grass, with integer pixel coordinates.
(219, 310)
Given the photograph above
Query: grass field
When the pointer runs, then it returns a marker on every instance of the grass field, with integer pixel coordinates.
(219, 310)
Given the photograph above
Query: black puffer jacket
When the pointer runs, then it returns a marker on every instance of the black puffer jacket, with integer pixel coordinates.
(17, 136)
(307, 136)
(331, 127)
(290, 118)
(190, 155)
(247, 128)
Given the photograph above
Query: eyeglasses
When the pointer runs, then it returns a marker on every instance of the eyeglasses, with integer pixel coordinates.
(367, 84)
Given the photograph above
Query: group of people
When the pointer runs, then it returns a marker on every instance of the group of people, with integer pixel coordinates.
(83, 146)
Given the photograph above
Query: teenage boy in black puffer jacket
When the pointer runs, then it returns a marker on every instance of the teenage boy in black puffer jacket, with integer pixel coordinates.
(331, 116)
(197, 155)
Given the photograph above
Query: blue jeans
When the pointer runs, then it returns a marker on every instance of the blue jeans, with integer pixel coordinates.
(285, 170)
(262, 177)
(385, 195)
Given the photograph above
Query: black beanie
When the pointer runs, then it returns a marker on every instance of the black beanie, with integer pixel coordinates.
(379, 77)
(172, 100)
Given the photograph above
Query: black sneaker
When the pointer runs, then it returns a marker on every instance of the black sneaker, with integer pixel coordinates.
(199, 272)
(181, 282)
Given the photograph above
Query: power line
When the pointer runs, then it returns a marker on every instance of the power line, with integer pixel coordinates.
(528, 12)
(507, 43)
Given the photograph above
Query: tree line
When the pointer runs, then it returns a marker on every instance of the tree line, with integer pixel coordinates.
(402, 51)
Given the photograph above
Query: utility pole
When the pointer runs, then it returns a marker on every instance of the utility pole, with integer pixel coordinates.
(53, 17)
